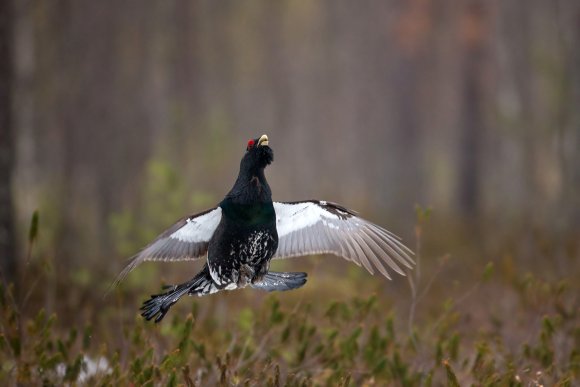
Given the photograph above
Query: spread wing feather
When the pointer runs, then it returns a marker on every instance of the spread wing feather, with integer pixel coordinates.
(319, 227)
(187, 239)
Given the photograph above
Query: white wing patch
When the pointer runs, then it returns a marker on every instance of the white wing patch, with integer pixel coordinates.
(318, 227)
(292, 217)
(187, 239)
(198, 229)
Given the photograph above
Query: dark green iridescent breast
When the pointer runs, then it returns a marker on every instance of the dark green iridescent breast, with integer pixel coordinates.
(250, 214)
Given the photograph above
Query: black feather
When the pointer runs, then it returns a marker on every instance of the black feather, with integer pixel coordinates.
(159, 304)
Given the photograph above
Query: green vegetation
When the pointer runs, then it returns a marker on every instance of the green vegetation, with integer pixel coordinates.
(499, 326)
(337, 343)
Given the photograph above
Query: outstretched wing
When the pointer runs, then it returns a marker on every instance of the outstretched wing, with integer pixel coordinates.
(187, 239)
(319, 227)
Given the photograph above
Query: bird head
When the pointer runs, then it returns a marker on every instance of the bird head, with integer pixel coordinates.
(258, 154)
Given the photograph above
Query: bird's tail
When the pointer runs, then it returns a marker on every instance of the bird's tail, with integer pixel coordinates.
(158, 305)
(202, 284)
(275, 281)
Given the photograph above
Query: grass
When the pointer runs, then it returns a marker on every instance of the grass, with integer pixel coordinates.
(459, 321)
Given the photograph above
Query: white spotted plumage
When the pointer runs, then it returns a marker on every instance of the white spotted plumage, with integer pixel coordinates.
(249, 252)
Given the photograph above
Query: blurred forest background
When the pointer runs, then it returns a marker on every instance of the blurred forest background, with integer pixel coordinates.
(117, 118)
(471, 107)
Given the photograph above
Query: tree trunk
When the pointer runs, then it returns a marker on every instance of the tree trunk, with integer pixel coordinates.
(472, 115)
(8, 262)
(572, 199)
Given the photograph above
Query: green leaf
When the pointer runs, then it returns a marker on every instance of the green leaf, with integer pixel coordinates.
(172, 382)
(488, 271)
(451, 378)
(246, 319)
(87, 335)
(33, 231)
(423, 214)
(16, 346)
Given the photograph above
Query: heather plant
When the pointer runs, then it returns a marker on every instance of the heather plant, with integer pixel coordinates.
(512, 330)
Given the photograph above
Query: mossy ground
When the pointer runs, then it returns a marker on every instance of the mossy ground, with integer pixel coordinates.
(506, 317)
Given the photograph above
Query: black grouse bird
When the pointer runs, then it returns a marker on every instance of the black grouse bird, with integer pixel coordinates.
(247, 230)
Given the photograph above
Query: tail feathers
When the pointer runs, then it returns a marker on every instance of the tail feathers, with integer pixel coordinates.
(158, 305)
(275, 281)
(202, 284)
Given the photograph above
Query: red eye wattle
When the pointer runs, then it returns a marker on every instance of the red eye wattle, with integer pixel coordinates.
(250, 144)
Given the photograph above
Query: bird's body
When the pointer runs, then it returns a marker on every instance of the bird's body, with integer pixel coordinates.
(240, 250)
(245, 240)
(247, 230)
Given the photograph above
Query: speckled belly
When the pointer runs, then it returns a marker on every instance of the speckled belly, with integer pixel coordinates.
(248, 261)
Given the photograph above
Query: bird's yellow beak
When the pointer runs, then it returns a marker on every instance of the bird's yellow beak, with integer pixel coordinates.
(263, 140)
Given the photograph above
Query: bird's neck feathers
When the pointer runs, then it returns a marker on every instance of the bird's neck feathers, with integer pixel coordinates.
(250, 187)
